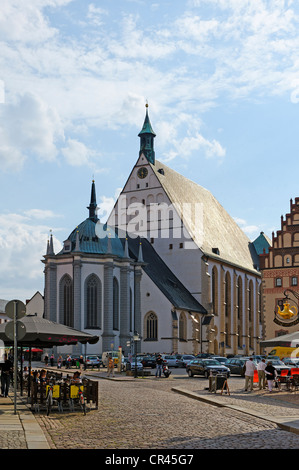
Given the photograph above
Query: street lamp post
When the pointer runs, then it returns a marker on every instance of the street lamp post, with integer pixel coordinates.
(135, 339)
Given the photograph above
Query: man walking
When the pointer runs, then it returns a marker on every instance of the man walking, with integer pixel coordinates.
(249, 373)
(261, 374)
(6, 370)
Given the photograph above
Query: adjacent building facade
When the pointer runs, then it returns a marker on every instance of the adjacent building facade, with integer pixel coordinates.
(280, 276)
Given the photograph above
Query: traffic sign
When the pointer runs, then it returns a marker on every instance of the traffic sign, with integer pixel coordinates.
(20, 329)
(15, 304)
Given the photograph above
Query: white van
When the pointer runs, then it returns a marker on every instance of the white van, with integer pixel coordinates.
(116, 356)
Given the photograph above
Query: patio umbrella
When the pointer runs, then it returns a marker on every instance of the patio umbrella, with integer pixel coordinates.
(44, 333)
(290, 340)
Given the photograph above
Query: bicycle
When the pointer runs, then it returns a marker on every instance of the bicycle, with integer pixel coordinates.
(80, 397)
(49, 397)
(82, 400)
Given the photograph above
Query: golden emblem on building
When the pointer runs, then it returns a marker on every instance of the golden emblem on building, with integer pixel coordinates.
(289, 315)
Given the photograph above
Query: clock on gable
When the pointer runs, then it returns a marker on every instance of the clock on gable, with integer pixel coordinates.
(142, 172)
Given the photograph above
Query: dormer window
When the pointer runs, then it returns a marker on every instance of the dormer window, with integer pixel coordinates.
(67, 246)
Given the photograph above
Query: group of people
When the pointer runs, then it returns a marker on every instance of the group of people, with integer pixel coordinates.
(266, 372)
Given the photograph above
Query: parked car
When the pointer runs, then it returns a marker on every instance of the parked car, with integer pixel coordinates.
(93, 361)
(185, 359)
(148, 361)
(171, 360)
(236, 364)
(291, 361)
(204, 355)
(221, 359)
(279, 365)
(206, 367)
(139, 366)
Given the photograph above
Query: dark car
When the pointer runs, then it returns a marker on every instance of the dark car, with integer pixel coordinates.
(206, 367)
(148, 361)
(236, 365)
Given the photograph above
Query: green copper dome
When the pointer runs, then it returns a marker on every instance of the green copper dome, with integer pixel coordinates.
(91, 236)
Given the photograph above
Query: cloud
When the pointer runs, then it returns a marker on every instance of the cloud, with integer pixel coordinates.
(28, 126)
(76, 153)
(22, 246)
(40, 214)
(252, 231)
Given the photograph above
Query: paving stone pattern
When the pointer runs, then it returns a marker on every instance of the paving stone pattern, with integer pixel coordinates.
(147, 414)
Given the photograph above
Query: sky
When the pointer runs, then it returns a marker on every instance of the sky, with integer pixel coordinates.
(221, 78)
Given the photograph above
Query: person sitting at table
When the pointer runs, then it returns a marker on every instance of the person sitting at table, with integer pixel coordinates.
(43, 376)
(76, 379)
(35, 376)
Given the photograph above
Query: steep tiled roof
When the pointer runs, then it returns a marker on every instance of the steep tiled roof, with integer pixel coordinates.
(218, 235)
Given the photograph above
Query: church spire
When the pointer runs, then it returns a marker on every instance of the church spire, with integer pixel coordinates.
(147, 136)
(93, 203)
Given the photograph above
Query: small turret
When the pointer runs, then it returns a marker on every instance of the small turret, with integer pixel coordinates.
(147, 136)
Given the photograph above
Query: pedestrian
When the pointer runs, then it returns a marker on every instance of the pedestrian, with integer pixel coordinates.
(249, 373)
(59, 362)
(68, 361)
(110, 367)
(46, 359)
(81, 362)
(261, 374)
(52, 360)
(6, 371)
(159, 362)
(271, 374)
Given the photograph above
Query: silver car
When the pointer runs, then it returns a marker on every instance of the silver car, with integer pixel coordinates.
(171, 360)
(185, 359)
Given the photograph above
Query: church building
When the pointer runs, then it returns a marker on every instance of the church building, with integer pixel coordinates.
(170, 264)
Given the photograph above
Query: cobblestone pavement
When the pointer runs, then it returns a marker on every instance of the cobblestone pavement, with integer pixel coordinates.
(147, 414)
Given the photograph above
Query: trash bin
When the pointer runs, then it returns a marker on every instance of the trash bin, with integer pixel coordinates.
(216, 382)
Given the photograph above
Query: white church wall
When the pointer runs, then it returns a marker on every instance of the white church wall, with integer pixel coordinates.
(153, 300)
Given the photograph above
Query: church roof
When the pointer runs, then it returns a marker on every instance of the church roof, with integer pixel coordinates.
(261, 243)
(163, 277)
(147, 127)
(91, 236)
(218, 236)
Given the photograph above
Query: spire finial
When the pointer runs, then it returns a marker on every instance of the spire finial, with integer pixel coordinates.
(93, 203)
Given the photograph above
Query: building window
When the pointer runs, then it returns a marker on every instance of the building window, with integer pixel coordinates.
(215, 290)
(181, 245)
(66, 314)
(93, 302)
(294, 281)
(278, 282)
(115, 304)
(151, 325)
(170, 246)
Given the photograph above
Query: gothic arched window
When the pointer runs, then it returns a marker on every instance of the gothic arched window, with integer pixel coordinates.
(93, 302)
(66, 308)
(151, 327)
(115, 304)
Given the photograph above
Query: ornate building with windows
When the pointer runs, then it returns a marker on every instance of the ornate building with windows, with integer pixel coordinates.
(170, 264)
(280, 274)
